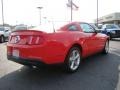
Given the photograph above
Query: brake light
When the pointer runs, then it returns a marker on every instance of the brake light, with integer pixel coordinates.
(34, 40)
(14, 39)
(26, 39)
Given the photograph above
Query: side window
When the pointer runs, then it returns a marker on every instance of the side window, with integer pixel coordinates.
(86, 28)
(72, 28)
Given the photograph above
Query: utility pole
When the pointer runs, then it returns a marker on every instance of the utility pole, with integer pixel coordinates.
(40, 13)
(2, 12)
(71, 11)
(72, 5)
(97, 13)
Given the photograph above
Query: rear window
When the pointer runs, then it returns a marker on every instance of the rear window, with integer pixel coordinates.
(4, 28)
(49, 27)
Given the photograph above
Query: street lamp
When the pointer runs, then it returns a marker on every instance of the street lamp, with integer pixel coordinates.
(71, 10)
(40, 13)
(2, 12)
(72, 5)
(97, 13)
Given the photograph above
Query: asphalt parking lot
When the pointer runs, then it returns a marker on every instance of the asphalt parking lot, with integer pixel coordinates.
(99, 72)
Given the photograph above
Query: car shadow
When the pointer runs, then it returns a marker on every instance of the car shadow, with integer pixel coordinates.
(99, 72)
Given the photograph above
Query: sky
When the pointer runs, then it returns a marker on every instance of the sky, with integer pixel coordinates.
(26, 12)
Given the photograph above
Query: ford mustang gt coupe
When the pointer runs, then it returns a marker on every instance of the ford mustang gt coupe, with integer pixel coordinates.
(67, 45)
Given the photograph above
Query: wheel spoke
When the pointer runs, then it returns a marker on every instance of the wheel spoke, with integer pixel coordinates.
(74, 54)
(71, 58)
(77, 56)
(72, 64)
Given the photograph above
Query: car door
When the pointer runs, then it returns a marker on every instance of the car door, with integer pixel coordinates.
(91, 42)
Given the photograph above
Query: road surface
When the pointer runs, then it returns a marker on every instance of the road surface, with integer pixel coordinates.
(99, 72)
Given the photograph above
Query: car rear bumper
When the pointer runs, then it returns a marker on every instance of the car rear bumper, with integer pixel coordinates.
(38, 53)
(25, 61)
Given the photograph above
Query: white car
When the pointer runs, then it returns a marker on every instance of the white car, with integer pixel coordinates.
(20, 27)
(4, 33)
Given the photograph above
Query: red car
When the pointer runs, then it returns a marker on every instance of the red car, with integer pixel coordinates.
(67, 45)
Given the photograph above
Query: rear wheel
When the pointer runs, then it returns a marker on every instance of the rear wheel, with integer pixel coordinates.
(2, 39)
(73, 60)
(106, 48)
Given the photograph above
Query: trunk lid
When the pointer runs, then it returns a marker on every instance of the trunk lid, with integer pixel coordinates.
(25, 37)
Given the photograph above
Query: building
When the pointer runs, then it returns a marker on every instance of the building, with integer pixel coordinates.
(113, 18)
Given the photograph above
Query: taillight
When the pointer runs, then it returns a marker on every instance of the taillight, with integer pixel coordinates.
(34, 40)
(26, 39)
(14, 39)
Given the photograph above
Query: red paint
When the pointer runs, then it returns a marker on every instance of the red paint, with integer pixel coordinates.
(52, 48)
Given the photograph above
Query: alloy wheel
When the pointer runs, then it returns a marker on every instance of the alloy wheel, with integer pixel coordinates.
(74, 59)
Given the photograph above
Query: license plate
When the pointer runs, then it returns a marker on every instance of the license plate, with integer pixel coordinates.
(15, 53)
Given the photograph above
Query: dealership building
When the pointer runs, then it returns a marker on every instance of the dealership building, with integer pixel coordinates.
(113, 18)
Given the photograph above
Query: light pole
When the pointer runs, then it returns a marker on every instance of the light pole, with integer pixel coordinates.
(71, 11)
(72, 5)
(97, 13)
(2, 12)
(40, 13)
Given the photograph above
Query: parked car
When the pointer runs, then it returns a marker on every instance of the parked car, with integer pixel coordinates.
(4, 33)
(112, 30)
(67, 45)
(20, 27)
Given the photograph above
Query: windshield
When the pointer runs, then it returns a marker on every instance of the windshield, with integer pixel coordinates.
(112, 26)
(1, 29)
(93, 25)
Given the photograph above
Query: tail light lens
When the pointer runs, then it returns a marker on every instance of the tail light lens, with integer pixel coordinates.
(34, 40)
(27, 39)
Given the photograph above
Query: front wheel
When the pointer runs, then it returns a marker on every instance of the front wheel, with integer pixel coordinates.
(73, 60)
(106, 48)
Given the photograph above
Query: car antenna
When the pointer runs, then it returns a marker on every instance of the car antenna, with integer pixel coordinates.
(53, 26)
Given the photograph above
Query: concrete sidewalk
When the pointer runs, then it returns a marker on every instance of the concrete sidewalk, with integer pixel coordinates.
(118, 85)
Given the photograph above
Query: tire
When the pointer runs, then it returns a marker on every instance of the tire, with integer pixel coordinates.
(2, 39)
(106, 47)
(109, 36)
(73, 59)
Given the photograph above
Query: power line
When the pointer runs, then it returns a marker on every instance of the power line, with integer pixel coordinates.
(2, 12)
